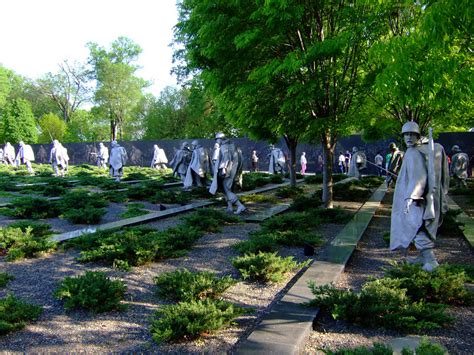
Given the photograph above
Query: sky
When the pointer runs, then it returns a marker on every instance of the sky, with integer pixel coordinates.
(37, 35)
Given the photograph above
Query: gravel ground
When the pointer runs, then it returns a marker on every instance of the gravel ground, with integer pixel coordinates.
(371, 256)
(125, 332)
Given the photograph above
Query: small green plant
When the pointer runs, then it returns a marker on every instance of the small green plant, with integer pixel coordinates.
(257, 242)
(134, 210)
(443, 285)
(5, 278)
(86, 215)
(38, 229)
(188, 320)
(82, 207)
(289, 192)
(93, 291)
(32, 208)
(386, 238)
(377, 349)
(18, 244)
(14, 314)
(303, 203)
(183, 285)
(209, 219)
(266, 267)
(331, 215)
(425, 348)
(380, 304)
(258, 198)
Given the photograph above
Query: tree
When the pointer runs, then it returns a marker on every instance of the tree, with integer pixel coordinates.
(18, 122)
(181, 113)
(280, 68)
(118, 89)
(67, 89)
(422, 69)
(4, 86)
(51, 127)
(85, 126)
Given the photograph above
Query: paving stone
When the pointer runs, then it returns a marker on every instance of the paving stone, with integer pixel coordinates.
(468, 229)
(267, 213)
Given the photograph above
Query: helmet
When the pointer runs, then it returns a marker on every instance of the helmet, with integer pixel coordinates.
(220, 135)
(392, 146)
(456, 148)
(354, 149)
(195, 142)
(412, 127)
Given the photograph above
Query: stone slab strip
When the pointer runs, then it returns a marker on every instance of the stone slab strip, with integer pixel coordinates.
(468, 229)
(285, 329)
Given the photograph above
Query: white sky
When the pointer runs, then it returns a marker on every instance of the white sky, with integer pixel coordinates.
(37, 35)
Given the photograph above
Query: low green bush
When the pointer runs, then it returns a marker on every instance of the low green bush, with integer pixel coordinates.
(38, 229)
(290, 221)
(32, 208)
(351, 191)
(5, 278)
(330, 215)
(18, 244)
(266, 267)
(380, 304)
(425, 348)
(257, 242)
(443, 285)
(134, 246)
(209, 219)
(253, 180)
(289, 192)
(377, 349)
(259, 198)
(188, 320)
(134, 210)
(93, 291)
(86, 215)
(170, 197)
(303, 203)
(183, 285)
(14, 314)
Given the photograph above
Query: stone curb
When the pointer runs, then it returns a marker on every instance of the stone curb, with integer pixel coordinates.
(285, 329)
(468, 229)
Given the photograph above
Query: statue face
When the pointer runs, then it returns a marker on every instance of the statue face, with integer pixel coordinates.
(411, 139)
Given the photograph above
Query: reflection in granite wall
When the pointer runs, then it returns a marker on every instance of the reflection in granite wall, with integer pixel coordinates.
(140, 153)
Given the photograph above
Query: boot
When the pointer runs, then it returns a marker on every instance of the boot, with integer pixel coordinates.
(416, 260)
(229, 208)
(240, 208)
(429, 260)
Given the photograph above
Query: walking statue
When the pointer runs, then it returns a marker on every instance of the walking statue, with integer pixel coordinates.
(58, 158)
(199, 166)
(9, 154)
(180, 161)
(25, 156)
(419, 199)
(227, 171)
(159, 158)
(118, 158)
(459, 164)
(357, 163)
(103, 156)
(277, 160)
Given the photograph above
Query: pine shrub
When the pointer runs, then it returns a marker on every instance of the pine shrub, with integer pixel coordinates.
(183, 285)
(209, 219)
(289, 192)
(14, 314)
(259, 198)
(32, 208)
(189, 320)
(18, 244)
(86, 215)
(93, 291)
(38, 229)
(443, 285)
(380, 304)
(266, 267)
(5, 278)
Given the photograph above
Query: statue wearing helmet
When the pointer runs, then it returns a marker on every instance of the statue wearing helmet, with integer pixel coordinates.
(25, 155)
(227, 159)
(393, 164)
(357, 163)
(459, 164)
(419, 198)
(159, 158)
(118, 158)
(181, 160)
(199, 166)
(58, 158)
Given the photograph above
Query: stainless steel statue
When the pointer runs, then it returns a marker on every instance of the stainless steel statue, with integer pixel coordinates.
(9, 154)
(103, 156)
(277, 160)
(58, 158)
(180, 161)
(227, 171)
(420, 196)
(159, 160)
(357, 163)
(25, 156)
(394, 165)
(199, 167)
(459, 164)
(118, 158)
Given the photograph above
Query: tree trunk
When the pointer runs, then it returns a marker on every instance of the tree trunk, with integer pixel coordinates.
(292, 144)
(113, 130)
(329, 143)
